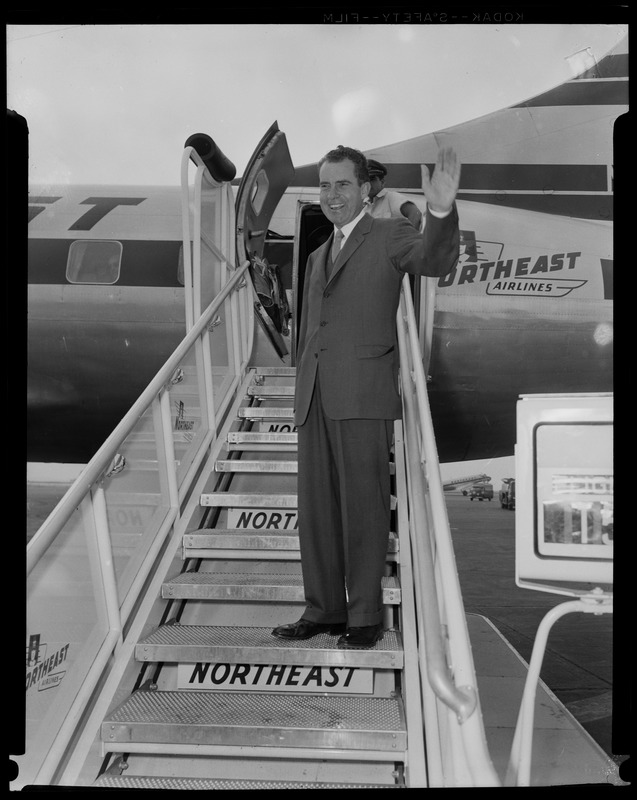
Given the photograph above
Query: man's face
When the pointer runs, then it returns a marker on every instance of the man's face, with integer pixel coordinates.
(341, 195)
(376, 183)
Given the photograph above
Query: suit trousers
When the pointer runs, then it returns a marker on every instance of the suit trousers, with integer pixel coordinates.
(344, 515)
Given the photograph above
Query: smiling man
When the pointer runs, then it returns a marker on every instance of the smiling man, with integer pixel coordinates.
(347, 389)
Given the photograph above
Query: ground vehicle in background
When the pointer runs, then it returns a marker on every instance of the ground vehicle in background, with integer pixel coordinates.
(481, 491)
(507, 493)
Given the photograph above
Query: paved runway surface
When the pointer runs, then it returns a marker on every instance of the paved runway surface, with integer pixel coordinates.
(578, 663)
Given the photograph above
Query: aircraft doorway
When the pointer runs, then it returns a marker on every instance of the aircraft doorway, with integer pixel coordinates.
(312, 229)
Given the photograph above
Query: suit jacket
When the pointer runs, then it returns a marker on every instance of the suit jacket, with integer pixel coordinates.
(348, 325)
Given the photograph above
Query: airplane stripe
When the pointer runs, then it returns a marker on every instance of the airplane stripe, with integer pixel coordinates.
(144, 263)
(614, 65)
(495, 177)
(586, 206)
(582, 93)
(533, 177)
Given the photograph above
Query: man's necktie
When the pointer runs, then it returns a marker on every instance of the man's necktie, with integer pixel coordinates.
(336, 244)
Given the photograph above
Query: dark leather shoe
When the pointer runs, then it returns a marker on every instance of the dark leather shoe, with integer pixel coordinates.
(357, 638)
(304, 629)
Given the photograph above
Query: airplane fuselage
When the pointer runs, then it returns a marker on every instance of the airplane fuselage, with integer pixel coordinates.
(528, 309)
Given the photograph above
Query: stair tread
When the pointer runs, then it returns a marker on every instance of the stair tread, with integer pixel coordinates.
(273, 390)
(249, 499)
(242, 539)
(203, 643)
(263, 437)
(213, 532)
(266, 412)
(258, 465)
(256, 500)
(276, 371)
(174, 782)
(254, 539)
(345, 722)
(252, 579)
(252, 586)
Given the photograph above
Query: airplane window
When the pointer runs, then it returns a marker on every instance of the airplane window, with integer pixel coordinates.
(260, 192)
(94, 262)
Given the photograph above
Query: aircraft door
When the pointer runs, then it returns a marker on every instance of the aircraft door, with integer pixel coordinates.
(264, 182)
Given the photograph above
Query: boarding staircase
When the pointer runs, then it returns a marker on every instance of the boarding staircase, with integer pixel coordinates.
(177, 681)
(216, 687)
(185, 523)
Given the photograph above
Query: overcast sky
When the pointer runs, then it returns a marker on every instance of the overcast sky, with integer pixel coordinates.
(115, 103)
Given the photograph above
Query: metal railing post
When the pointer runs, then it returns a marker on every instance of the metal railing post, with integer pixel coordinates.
(107, 564)
(167, 454)
(186, 237)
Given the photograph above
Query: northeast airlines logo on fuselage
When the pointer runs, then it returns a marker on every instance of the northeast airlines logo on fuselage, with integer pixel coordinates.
(481, 264)
(43, 668)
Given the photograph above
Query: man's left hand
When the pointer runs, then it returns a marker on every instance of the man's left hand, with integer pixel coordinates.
(441, 188)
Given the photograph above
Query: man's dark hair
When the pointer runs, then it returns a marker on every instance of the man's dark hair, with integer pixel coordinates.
(348, 153)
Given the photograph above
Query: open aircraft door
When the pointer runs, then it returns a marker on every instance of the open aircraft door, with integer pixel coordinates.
(264, 182)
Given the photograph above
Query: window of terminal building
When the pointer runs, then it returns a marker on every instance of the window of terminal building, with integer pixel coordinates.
(94, 262)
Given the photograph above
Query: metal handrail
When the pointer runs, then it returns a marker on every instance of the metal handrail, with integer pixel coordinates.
(425, 486)
(96, 467)
(463, 703)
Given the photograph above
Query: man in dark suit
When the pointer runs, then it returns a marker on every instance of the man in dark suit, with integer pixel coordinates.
(347, 389)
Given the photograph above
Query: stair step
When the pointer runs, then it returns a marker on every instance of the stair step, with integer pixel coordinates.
(244, 465)
(276, 372)
(252, 586)
(255, 500)
(172, 782)
(254, 437)
(241, 539)
(260, 441)
(227, 500)
(259, 412)
(195, 718)
(243, 544)
(271, 391)
(252, 539)
(232, 645)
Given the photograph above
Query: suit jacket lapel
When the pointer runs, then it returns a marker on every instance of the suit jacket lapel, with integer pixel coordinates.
(352, 243)
(320, 261)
